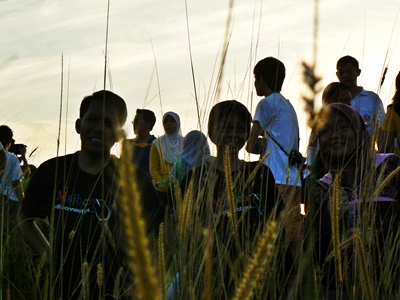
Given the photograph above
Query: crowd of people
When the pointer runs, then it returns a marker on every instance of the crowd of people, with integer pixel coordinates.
(345, 180)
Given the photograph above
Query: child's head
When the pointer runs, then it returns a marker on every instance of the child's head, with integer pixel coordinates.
(336, 92)
(271, 72)
(347, 70)
(229, 124)
(6, 136)
(110, 100)
(100, 122)
(144, 121)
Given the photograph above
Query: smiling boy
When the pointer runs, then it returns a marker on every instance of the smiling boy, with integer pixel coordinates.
(77, 193)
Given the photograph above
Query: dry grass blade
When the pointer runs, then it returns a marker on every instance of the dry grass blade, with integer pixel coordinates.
(254, 172)
(262, 254)
(379, 189)
(117, 286)
(363, 265)
(334, 202)
(137, 245)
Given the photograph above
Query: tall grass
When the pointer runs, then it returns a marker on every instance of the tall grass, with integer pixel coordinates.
(191, 259)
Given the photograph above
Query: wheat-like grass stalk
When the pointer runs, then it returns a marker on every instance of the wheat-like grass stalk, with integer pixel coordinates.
(334, 203)
(161, 262)
(230, 192)
(186, 208)
(137, 246)
(263, 253)
(208, 255)
(100, 274)
(85, 281)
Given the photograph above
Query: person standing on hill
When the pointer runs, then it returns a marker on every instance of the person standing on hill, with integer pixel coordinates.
(276, 119)
(143, 123)
(367, 103)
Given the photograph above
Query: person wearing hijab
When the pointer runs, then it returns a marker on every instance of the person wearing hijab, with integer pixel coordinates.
(165, 151)
(196, 151)
(345, 154)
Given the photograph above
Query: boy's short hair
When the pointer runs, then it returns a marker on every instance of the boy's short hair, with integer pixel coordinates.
(147, 115)
(347, 59)
(273, 71)
(225, 109)
(109, 98)
(6, 135)
(332, 91)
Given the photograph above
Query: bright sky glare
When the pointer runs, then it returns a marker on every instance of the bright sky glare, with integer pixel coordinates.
(149, 57)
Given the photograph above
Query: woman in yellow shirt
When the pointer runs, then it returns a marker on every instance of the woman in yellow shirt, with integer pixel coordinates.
(165, 151)
(390, 129)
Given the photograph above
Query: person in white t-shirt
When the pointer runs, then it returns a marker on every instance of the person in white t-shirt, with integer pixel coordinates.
(276, 121)
(367, 103)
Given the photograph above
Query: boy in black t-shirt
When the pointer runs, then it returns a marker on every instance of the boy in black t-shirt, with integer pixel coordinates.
(255, 195)
(77, 194)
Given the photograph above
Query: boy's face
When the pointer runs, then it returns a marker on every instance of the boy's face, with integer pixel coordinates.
(99, 130)
(259, 85)
(231, 131)
(347, 74)
(140, 126)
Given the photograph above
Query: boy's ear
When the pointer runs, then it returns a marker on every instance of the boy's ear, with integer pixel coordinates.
(358, 72)
(78, 125)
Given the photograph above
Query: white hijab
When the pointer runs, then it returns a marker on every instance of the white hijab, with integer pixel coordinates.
(171, 143)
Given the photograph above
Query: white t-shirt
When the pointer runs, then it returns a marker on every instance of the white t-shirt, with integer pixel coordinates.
(370, 107)
(13, 172)
(277, 116)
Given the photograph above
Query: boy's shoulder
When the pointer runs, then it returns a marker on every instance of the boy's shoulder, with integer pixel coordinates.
(368, 94)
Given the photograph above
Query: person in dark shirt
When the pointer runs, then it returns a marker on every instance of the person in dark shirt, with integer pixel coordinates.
(255, 196)
(143, 124)
(77, 193)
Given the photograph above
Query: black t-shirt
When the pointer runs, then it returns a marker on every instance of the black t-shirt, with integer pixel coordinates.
(255, 194)
(254, 191)
(82, 211)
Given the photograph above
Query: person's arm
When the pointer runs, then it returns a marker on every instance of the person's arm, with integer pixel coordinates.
(18, 190)
(32, 235)
(255, 144)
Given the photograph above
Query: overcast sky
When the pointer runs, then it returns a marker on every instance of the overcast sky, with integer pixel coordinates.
(150, 35)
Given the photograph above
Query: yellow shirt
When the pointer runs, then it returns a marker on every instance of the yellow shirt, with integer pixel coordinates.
(159, 168)
(391, 123)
